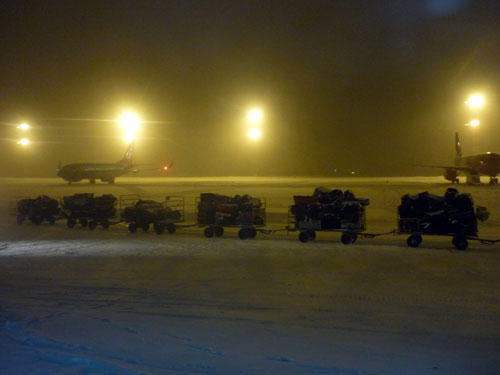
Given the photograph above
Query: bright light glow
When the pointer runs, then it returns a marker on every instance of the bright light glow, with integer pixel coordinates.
(475, 101)
(23, 142)
(129, 137)
(474, 123)
(254, 133)
(23, 126)
(165, 168)
(255, 115)
(130, 124)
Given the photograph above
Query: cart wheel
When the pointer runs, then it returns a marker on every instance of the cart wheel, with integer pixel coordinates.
(71, 223)
(414, 240)
(346, 238)
(37, 220)
(159, 228)
(84, 222)
(354, 237)
(460, 243)
(171, 228)
(92, 224)
(312, 235)
(219, 231)
(252, 232)
(304, 236)
(132, 227)
(20, 219)
(243, 234)
(105, 224)
(52, 220)
(145, 227)
(209, 232)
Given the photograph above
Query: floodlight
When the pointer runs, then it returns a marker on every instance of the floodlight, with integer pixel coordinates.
(255, 115)
(130, 123)
(23, 126)
(23, 142)
(254, 133)
(475, 101)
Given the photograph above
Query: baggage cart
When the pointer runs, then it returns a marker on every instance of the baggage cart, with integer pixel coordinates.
(142, 213)
(37, 210)
(416, 228)
(350, 230)
(249, 217)
(453, 215)
(89, 211)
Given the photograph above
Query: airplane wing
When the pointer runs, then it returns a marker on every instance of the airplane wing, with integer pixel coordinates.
(454, 167)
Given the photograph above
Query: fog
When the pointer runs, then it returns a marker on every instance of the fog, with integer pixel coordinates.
(367, 86)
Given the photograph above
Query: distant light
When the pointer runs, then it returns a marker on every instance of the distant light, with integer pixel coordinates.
(475, 101)
(473, 123)
(130, 123)
(23, 126)
(23, 142)
(255, 115)
(353, 173)
(165, 168)
(254, 133)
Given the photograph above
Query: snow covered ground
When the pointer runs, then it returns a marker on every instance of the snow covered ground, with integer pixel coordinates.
(110, 302)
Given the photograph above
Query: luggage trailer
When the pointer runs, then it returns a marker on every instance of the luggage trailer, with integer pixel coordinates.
(247, 229)
(97, 214)
(173, 203)
(350, 230)
(27, 211)
(416, 229)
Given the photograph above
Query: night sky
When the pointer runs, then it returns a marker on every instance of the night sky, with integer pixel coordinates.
(373, 86)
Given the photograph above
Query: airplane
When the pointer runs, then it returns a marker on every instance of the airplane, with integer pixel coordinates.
(106, 172)
(472, 166)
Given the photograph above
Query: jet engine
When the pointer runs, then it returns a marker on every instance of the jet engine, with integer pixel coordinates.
(451, 174)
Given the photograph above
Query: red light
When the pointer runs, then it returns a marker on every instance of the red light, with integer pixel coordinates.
(165, 168)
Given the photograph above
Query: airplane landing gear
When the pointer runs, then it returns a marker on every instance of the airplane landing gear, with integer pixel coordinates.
(493, 180)
(92, 181)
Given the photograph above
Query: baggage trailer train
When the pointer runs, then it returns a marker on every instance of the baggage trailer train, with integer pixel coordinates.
(326, 210)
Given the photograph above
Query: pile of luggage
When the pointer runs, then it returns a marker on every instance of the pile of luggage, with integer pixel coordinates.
(145, 212)
(432, 214)
(329, 209)
(89, 210)
(38, 209)
(216, 209)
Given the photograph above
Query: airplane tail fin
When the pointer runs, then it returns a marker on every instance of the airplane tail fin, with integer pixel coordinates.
(127, 159)
(458, 147)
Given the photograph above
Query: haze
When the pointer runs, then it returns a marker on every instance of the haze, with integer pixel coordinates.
(354, 85)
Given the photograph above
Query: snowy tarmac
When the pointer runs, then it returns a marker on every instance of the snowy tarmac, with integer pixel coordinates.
(110, 302)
